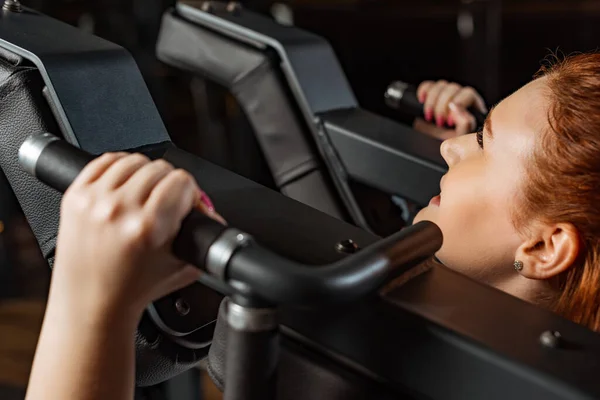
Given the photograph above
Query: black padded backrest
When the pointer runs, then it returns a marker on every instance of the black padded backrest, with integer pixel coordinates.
(280, 85)
(253, 78)
(24, 111)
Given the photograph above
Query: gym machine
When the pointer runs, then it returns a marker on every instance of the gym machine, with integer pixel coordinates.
(313, 134)
(439, 336)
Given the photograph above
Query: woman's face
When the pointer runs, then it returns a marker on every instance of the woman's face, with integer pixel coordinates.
(480, 189)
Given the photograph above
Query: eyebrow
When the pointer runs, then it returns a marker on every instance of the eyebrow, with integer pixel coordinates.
(487, 125)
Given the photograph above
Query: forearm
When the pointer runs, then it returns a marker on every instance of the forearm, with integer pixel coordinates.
(83, 354)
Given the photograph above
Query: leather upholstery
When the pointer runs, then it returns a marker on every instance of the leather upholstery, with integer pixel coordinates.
(23, 112)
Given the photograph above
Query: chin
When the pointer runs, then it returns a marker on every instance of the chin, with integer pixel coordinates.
(423, 215)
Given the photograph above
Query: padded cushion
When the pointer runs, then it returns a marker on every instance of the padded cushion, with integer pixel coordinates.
(20, 116)
(255, 83)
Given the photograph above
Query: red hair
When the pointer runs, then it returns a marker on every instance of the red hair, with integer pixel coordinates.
(564, 179)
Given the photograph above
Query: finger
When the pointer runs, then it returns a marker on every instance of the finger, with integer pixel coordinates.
(464, 121)
(468, 97)
(432, 99)
(204, 204)
(423, 89)
(121, 170)
(143, 181)
(441, 107)
(95, 168)
(172, 199)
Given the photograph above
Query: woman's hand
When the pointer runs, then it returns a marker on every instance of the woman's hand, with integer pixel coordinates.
(113, 257)
(445, 107)
(118, 221)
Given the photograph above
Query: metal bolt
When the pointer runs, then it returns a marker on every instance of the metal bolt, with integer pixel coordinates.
(182, 307)
(234, 7)
(12, 5)
(551, 339)
(207, 6)
(347, 246)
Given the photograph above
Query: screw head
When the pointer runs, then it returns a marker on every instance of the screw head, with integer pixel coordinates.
(182, 307)
(551, 339)
(347, 246)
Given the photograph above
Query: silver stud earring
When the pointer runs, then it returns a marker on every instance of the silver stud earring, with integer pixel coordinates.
(518, 265)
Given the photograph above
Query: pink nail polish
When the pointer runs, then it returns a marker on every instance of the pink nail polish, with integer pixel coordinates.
(440, 121)
(204, 199)
(422, 98)
(450, 121)
(428, 115)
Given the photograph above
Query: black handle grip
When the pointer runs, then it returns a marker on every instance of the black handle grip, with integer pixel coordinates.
(235, 257)
(57, 163)
(198, 232)
(402, 96)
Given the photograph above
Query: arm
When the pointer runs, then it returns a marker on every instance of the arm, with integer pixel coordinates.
(83, 353)
(113, 258)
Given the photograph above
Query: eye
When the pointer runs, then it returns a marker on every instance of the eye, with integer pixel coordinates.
(479, 136)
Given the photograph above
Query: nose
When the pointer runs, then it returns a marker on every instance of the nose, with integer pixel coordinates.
(449, 151)
(455, 149)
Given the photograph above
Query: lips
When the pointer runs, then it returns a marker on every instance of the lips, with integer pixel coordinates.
(435, 201)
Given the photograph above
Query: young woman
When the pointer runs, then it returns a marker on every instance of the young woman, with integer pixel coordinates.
(520, 204)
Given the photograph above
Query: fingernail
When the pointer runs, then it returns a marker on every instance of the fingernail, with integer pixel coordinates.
(422, 97)
(450, 120)
(440, 121)
(218, 217)
(428, 115)
(204, 199)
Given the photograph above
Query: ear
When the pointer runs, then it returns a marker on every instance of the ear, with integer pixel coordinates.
(550, 250)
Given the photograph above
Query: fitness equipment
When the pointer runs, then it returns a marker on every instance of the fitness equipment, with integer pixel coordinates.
(439, 336)
(315, 137)
(257, 280)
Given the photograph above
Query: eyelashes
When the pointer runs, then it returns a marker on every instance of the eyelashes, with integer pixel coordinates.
(479, 136)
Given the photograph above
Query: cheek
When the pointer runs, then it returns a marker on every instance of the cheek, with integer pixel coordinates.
(460, 202)
(475, 220)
